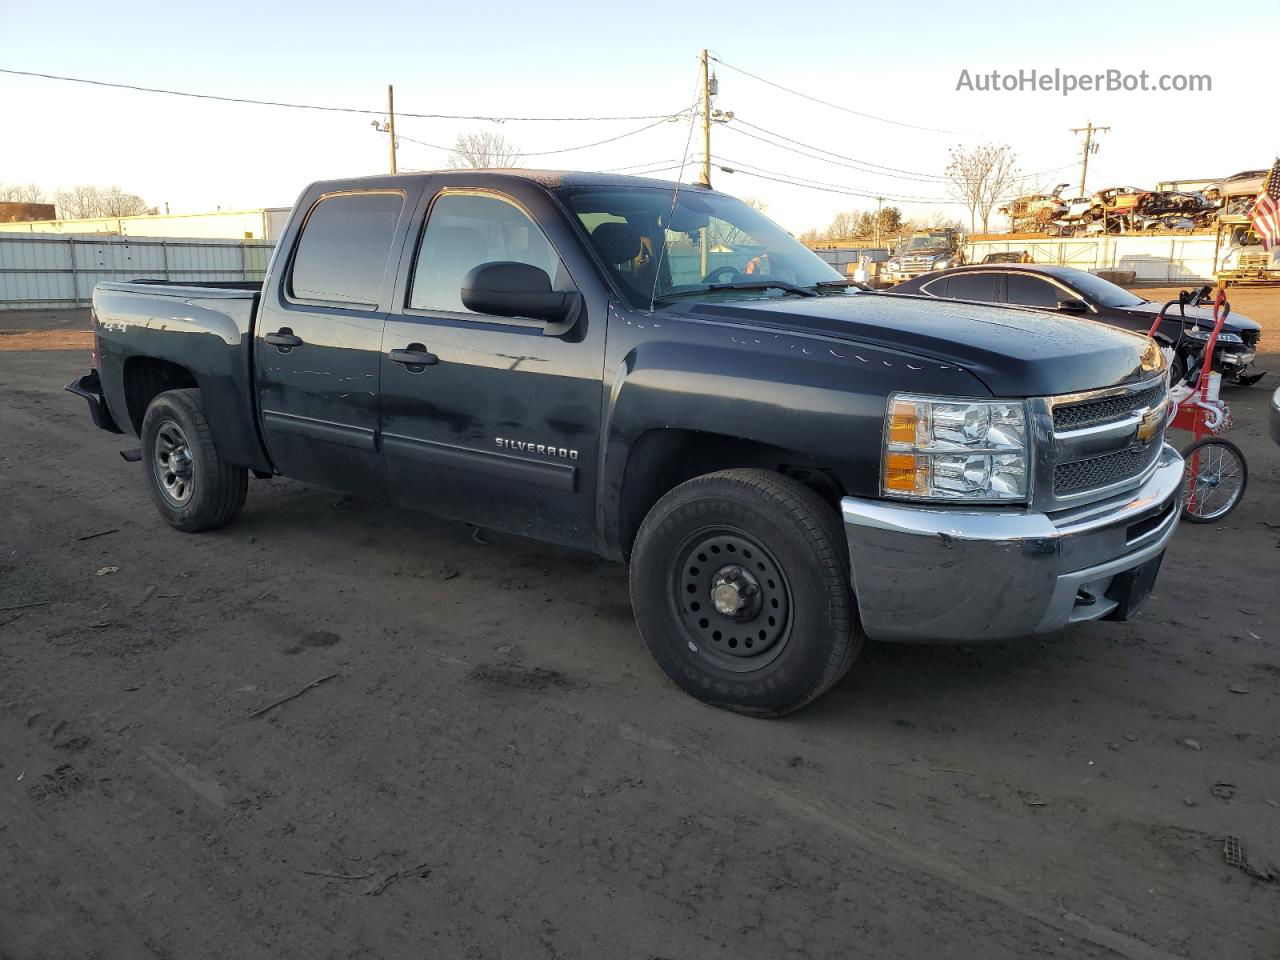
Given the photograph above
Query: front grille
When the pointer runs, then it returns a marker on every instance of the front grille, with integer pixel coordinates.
(1091, 413)
(917, 263)
(1104, 470)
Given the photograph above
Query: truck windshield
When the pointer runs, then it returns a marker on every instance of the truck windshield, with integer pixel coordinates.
(662, 244)
(926, 243)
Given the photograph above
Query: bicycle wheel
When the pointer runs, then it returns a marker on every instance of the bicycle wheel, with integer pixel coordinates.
(1216, 476)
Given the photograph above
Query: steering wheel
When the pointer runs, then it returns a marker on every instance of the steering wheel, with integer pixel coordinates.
(714, 275)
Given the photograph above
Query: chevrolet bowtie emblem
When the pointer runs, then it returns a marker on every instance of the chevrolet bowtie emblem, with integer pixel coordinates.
(1149, 425)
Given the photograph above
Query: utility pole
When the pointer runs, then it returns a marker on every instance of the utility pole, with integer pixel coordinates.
(391, 123)
(1089, 147)
(704, 237)
(879, 201)
(705, 180)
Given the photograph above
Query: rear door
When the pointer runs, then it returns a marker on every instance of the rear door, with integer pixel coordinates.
(319, 339)
(981, 285)
(1027, 290)
(502, 427)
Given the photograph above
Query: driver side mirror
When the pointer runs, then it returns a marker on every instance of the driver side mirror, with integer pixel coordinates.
(1072, 305)
(511, 289)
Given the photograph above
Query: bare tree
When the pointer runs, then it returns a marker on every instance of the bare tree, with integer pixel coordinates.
(22, 192)
(117, 203)
(939, 221)
(843, 224)
(980, 178)
(78, 202)
(810, 237)
(85, 200)
(483, 150)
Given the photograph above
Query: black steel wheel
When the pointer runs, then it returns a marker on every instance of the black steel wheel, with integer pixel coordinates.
(740, 586)
(1216, 476)
(735, 598)
(191, 485)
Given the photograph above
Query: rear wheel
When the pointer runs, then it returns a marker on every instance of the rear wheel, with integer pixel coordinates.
(740, 585)
(193, 488)
(1216, 475)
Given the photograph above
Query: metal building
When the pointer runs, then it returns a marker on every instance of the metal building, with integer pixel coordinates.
(262, 224)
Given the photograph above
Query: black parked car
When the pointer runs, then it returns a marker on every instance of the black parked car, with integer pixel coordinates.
(1066, 290)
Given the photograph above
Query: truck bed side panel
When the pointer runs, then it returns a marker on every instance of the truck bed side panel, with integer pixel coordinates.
(207, 332)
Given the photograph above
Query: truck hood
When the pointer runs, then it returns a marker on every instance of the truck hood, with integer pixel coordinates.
(1203, 317)
(1015, 352)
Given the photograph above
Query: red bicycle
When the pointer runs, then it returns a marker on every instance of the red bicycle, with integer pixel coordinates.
(1216, 472)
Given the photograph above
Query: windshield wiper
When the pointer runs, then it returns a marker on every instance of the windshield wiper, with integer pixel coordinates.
(834, 284)
(741, 285)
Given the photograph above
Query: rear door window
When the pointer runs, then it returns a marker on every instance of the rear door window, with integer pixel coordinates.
(341, 257)
(1032, 291)
(972, 286)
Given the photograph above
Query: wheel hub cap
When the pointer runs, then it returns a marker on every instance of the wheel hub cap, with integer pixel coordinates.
(735, 593)
(173, 462)
(733, 596)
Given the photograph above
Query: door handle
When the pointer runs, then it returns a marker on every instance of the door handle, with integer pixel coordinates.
(283, 338)
(414, 355)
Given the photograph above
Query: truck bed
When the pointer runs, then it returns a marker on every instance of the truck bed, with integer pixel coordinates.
(165, 327)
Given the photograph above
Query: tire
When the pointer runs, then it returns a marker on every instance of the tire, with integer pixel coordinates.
(1220, 465)
(193, 488)
(770, 545)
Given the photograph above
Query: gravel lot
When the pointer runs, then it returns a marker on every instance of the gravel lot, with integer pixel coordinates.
(492, 767)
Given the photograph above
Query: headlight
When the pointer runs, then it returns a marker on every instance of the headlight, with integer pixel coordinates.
(941, 264)
(1199, 333)
(942, 449)
(894, 265)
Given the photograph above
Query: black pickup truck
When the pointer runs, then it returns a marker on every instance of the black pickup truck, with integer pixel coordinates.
(661, 375)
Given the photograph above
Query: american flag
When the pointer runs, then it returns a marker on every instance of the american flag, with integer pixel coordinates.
(1265, 215)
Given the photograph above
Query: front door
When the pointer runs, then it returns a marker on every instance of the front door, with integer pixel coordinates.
(319, 337)
(498, 423)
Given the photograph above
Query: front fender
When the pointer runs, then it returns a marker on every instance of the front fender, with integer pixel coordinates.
(820, 397)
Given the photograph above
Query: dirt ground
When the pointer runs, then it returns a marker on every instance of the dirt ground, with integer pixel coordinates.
(484, 762)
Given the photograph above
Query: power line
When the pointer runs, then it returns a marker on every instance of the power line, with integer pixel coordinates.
(828, 103)
(911, 174)
(421, 143)
(828, 159)
(810, 186)
(813, 185)
(546, 153)
(597, 143)
(736, 164)
(860, 165)
(633, 166)
(325, 108)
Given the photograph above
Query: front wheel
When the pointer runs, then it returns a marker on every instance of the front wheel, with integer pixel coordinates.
(740, 586)
(193, 488)
(1216, 475)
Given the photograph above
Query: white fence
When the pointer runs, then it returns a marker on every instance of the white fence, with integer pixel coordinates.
(1153, 258)
(39, 272)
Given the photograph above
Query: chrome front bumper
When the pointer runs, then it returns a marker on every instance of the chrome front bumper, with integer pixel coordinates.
(956, 575)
